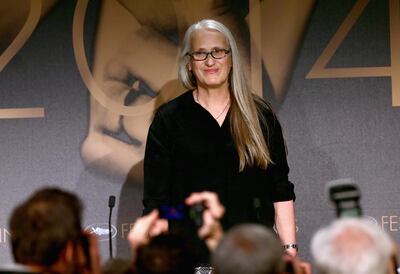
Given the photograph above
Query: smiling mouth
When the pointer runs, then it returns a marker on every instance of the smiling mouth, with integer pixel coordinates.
(211, 71)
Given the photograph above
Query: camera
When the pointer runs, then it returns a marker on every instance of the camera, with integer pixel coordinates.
(181, 212)
(345, 195)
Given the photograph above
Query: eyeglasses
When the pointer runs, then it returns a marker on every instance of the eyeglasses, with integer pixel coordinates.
(203, 55)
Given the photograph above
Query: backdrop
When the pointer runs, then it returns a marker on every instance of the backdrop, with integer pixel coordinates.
(80, 80)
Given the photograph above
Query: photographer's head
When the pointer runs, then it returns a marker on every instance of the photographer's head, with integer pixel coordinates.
(248, 248)
(46, 229)
(166, 254)
(352, 246)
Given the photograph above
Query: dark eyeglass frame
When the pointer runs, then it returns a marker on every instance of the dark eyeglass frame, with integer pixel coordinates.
(214, 51)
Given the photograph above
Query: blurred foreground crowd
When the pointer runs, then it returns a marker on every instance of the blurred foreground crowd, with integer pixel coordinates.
(47, 237)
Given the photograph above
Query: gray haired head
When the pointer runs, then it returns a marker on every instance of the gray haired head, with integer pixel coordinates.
(185, 76)
(352, 246)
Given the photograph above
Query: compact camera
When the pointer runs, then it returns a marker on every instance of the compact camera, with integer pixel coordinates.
(181, 212)
(345, 194)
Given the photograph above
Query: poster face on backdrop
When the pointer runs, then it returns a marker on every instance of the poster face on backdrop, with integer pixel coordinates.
(80, 81)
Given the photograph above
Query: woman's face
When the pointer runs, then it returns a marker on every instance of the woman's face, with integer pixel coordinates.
(210, 73)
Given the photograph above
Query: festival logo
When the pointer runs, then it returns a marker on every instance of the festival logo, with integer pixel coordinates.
(101, 230)
(372, 220)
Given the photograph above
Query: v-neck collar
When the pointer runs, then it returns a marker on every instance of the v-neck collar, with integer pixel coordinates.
(206, 112)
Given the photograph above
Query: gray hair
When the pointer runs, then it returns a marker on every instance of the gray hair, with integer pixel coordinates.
(250, 249)
(352, 246)
(185, 76)
(245, 124)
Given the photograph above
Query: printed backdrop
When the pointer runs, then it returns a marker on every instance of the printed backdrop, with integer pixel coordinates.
(80, 80)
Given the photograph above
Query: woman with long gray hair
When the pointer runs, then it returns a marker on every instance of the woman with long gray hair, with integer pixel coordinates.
(220, 137)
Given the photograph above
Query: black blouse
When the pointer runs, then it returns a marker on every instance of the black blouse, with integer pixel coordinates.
(187, 151)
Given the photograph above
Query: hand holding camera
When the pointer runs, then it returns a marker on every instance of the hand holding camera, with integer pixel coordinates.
(211, 229)
(202, 208)
(145, 228)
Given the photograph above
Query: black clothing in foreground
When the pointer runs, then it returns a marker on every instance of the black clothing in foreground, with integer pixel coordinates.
(187, 151)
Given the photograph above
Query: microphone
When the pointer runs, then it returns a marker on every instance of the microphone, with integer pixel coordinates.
(111, 201)
(111, 204)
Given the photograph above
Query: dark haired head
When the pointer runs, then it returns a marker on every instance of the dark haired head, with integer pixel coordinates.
(118, 266)
(42, 226)
(166, 254)
(248, 248)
